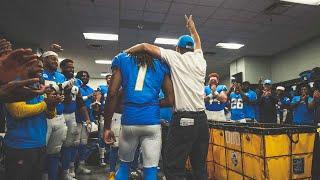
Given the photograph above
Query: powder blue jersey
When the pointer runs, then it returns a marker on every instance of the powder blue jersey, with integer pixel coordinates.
(103, 89)
(71, 107)
(165, 112)
(215, 105)
(249, 110)
(141, 86)
(237, 112)
(280, 110)
(58, 78)
(86, 90)
(29, 132)
(301, 114)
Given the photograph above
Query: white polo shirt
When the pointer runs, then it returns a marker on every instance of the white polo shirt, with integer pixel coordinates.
(188, 73)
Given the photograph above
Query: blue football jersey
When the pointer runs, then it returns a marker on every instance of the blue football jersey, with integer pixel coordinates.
(249, 110)
(237, 111)
(71, 107)
(215, 105)
(301, 114)
(57, 78)
(141, 86)
(86, 90)
(28, 132)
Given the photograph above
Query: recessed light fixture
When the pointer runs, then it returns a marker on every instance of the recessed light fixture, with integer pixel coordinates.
(101, 61)
(104, 74)
(230, 45)
(101, 36)
(308, 2)
(168, 41)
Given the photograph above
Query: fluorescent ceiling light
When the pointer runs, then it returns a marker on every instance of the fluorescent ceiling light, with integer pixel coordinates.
(104, 74)
(101, 36)
(230, 45)
(309, 2)
(169, 41)
(100, 61)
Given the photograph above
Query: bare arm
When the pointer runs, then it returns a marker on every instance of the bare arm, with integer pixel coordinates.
(193, 32)
(168, 92)
(82, 108)
(316, 97)
(112, 98)
(150, 49)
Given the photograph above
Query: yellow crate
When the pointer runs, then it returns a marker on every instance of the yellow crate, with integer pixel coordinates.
(277, 145)
(278, 168)
(219, 154)
(253, 166)
(234, 176)
(301, 166)
(210, 170)
(233, 140)
(220, 172)
(210, 153)
(252, 144)
(304, 143)
(247, 178)
(218, 137)
(234, 160)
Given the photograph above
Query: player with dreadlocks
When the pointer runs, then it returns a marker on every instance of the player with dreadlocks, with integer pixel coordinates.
(141, 81)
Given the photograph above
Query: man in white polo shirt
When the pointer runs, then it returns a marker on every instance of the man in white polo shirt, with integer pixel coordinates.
(188, 134)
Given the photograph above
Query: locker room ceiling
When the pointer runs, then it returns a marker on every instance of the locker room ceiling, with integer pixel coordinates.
(42, 22)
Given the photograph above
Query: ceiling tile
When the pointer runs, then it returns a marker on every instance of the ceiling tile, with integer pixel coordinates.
(172, 28)
(236, 4)
(153, 17)
(210, 2)
(175, 20)
(202, 11)
(244, 15)
(130, 4)
(257, 5)
(180, 8)
(157, 6)
(222, 13)
(131, 14)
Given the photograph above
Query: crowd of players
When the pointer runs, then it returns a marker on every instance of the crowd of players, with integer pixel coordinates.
(264, 104)
(155, 100)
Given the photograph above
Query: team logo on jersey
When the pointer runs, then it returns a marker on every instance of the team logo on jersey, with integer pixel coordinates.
(45, 76)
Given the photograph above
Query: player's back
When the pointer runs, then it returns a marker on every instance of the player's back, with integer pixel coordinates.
(141, 86)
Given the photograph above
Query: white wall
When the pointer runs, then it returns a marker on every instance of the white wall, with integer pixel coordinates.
(256, 67)
(287, 65)
(94, 83)
(237, 66)
(252, 68)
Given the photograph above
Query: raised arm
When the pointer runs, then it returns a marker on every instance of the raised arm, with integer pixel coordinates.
(193, 32)
(168, 92)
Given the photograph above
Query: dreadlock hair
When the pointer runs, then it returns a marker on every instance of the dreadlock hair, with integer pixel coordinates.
(143, 59)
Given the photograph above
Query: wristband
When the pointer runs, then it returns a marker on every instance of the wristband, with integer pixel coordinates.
(210, 96)
(216, 93)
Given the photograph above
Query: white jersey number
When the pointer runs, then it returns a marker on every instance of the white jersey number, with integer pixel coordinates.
(140, 79)
(236, 104)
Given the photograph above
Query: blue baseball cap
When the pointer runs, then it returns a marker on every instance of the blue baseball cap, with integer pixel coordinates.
(267, 81)
(186, 41)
